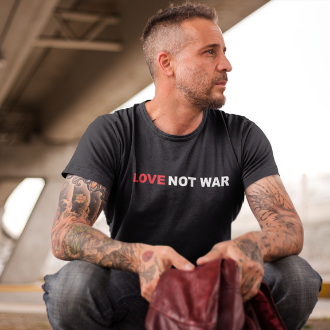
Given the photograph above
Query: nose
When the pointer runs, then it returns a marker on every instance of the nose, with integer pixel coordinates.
(224, 64)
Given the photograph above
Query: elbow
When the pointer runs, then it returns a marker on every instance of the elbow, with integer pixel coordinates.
(57, 250)
(300, 240)
(299, 248)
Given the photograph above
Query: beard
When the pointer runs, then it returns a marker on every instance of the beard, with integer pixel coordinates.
(197, 88)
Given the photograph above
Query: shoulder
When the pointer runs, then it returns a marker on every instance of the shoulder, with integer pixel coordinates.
(121, 117)
(236, 125)
(235, 122)
(118, 124)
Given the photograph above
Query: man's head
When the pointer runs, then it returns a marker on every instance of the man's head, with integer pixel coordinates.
(185, 44)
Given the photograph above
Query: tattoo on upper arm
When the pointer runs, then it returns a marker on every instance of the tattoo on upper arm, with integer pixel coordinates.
(92, 186)
(81, 200)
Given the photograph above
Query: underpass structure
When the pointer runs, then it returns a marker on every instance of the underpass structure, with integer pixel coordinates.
(62, 64)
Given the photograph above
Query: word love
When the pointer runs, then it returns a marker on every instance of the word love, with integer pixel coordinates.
(144, 177)
(182, 181)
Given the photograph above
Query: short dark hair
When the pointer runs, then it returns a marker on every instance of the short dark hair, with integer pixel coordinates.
(161, 28)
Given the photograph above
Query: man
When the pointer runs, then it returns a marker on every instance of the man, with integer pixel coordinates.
(170, 174)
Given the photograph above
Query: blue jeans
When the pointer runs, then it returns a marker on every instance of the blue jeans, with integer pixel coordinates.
(85, 296)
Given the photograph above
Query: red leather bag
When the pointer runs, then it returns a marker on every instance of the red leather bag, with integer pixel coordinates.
(209, 298)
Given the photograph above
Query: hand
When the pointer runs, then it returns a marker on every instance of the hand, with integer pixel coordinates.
(155, 260)
(246, 252)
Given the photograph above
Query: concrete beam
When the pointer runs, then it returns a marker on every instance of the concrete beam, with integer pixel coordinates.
(110, 79)
(34, 160)
(87, 17)
(32, 248)
(28, 22)
(79, 44)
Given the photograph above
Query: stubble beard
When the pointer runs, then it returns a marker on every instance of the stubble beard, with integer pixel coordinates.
(196, 87)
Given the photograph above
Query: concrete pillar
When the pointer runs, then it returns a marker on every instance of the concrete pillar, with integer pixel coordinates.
(6, 188)
(34, 244)
(36, 160)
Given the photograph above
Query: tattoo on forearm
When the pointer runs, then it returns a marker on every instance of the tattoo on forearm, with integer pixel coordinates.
(73, 237)
(269, 201)
(276, 214)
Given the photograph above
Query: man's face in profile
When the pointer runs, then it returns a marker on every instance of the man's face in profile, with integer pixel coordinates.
(201, 67)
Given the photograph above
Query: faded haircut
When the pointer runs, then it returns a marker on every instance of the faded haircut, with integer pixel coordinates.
(164, 32)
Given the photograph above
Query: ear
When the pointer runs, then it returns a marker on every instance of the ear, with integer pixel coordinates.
(164, 61)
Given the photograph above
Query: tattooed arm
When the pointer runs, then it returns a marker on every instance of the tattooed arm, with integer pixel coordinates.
(81, 202)
(281, 234)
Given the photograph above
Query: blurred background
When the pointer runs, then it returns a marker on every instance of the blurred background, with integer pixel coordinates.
(65, 62)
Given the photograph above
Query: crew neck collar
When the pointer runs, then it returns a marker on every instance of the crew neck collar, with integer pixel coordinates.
(167, 136)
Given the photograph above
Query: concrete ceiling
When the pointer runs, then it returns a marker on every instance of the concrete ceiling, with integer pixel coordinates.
(65, 62)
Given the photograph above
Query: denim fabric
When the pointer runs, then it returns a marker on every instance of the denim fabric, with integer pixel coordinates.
(85, 296)
(295, 286)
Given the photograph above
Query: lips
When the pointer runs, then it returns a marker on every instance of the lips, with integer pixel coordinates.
(222, 83)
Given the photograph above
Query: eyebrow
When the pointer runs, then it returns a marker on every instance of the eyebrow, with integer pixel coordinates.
(214, 46)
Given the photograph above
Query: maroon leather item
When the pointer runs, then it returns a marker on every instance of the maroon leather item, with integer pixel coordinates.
(209, 298)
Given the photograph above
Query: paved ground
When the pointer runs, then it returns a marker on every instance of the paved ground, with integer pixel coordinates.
(26, 311)
(15, 321)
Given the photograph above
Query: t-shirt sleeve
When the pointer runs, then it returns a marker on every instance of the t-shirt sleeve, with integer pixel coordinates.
(97, 154)
(257, 155)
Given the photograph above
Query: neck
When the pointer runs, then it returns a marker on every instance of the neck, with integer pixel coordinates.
(173, 113)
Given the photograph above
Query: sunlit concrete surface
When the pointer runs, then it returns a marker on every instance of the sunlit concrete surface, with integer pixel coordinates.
(22, 299)
(322, 309)
(22, 308)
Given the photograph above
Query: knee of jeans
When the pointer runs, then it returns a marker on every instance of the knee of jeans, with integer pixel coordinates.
(293, 275)
(75, 282)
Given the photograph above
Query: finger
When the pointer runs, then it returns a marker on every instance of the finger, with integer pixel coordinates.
(212, 255)
(180, 262)
(239, 271)
(252, 292)
(247, 284)
(148, 289)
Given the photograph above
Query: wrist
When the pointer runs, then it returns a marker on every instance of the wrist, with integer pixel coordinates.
(141, 253)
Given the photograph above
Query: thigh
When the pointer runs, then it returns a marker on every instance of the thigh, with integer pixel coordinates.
(85, 296)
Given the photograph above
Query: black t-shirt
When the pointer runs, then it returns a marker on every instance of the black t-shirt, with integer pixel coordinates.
(180, 191)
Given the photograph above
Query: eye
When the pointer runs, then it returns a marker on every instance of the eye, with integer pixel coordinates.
(210, 51)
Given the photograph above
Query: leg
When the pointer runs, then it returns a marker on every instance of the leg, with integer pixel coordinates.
(294, 285)
(85, 296)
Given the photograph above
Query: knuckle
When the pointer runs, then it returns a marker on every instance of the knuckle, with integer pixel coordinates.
(166, 250)
(215, 246)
